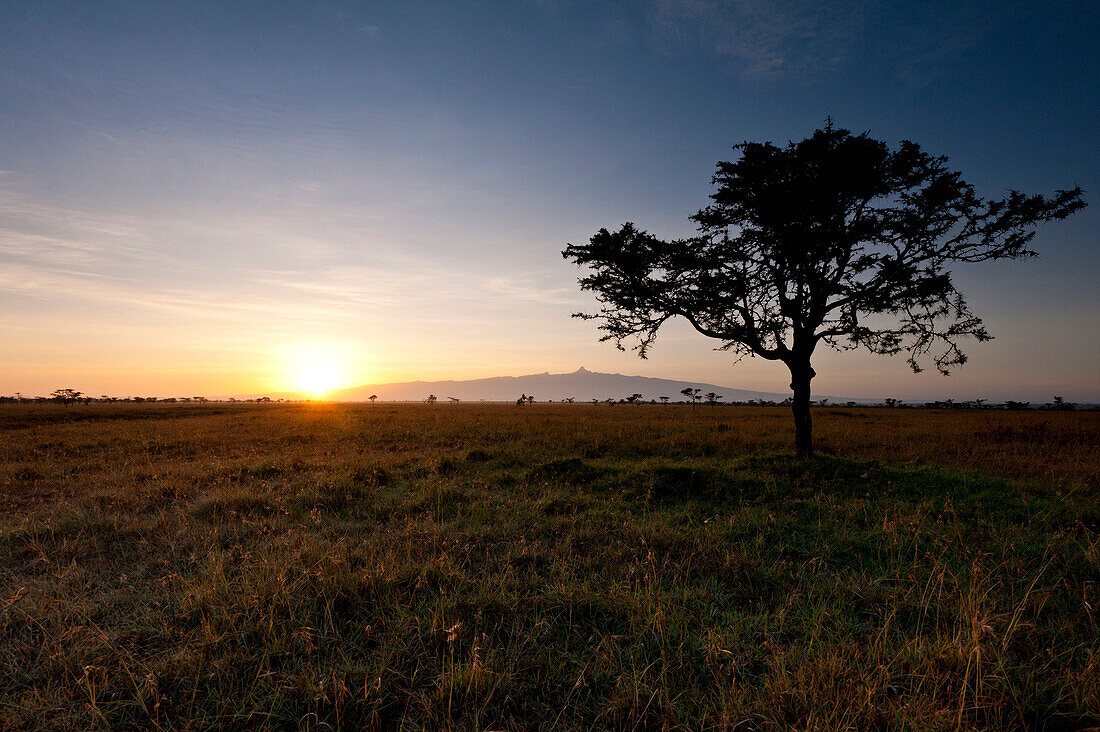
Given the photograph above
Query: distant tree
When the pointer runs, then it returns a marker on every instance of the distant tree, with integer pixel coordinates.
(432, 399)
(979, 403)
(530, 399)
(595, 401)
(892, 403)
(1017, 406)
(835, 239)
(664, 400)
(569, 400)
(633, 398)
(454, 400)
(692, 394)
(712, 398)
(609, 402)
(1061, 405)
(372, 397)
(66, 396)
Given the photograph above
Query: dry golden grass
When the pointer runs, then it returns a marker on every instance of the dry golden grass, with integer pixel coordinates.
(551, 566)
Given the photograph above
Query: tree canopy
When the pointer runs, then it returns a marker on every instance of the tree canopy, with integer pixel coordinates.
(834, 239)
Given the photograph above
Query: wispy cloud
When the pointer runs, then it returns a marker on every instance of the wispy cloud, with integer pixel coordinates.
(765, 38)
(245, 274)
(769, 39)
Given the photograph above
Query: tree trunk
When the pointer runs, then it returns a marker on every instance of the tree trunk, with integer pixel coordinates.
(801, 374)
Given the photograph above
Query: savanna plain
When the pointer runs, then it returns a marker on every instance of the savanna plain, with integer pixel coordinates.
(492, 567)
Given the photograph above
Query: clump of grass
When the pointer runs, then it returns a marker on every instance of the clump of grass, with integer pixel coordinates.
(231, 503)
(478, 456)
(373, 475)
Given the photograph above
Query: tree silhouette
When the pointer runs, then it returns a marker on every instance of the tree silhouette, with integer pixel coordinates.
(570, 400)
(835, 239)
(692, 394)
(372, 397)
(431, 399)
(664, 400)
(66, 396)
(712, 398)
(1060, 404)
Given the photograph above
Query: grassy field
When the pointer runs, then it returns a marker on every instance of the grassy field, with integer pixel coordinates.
(546, 567)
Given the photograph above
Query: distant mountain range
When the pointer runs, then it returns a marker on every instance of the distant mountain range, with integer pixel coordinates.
(582, 385)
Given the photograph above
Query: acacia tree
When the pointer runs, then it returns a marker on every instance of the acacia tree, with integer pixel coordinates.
(836, 239)
(66, 396)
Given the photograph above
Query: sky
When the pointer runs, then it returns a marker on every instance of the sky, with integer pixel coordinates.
(242, 198)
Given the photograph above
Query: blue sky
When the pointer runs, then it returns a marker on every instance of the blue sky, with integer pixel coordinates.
(193, 195)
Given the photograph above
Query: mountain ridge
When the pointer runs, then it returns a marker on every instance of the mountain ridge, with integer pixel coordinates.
(582, 385)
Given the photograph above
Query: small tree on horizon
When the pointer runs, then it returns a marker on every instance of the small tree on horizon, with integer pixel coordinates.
(836, 239)
(66, 396)
(692, 394)
(372, 397)
(1060, 404)
(432, 399)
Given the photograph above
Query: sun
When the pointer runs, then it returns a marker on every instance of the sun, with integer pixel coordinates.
(319, 371)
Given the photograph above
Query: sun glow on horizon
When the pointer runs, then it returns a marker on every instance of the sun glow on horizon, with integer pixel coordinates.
(318, 370)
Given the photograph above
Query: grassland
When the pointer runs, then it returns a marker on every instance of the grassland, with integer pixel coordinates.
(546, 567)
